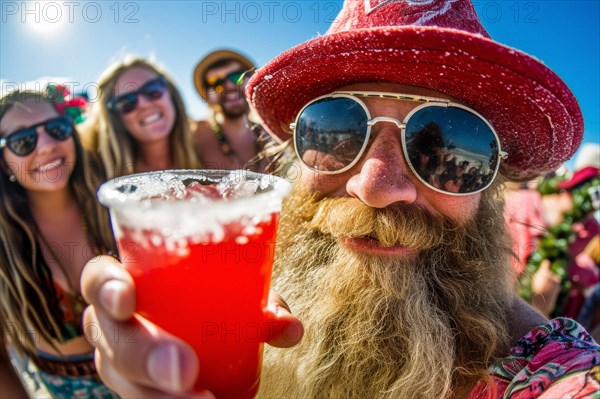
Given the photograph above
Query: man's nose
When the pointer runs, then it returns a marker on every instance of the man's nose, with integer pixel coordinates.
(229, 85)
(382, 177)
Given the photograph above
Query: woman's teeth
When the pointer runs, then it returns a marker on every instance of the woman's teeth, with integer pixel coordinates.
(51, 165)
(151, 119)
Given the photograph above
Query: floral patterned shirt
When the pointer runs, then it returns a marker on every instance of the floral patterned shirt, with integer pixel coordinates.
(557, 360)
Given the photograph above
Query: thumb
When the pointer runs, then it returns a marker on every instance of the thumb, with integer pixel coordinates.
(282, 329)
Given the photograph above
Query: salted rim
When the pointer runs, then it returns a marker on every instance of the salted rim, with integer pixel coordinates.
(268, 201)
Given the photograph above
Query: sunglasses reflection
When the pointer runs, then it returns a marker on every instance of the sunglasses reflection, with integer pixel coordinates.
(128, 102)
(24, 141)
(327, 149)
(450, 167)
(218, 84)
(447, 162)
(449, 147)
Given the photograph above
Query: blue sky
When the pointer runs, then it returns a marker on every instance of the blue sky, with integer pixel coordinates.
(77, 40)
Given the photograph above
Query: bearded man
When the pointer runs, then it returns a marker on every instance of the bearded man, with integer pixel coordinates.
(402, 285)
(228, 138)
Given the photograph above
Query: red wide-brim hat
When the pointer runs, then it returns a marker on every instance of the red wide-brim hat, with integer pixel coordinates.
(435, 44)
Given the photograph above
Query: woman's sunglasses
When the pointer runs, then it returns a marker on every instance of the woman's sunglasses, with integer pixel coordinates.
(217, 83)
(128, 102)
(22, 142)
(451, 148)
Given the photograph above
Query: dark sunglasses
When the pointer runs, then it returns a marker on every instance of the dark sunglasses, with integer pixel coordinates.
(451, 148)
(152, 90)
(217, 83)
(22, 142)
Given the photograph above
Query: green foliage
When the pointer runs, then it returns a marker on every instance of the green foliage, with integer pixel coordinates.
(549, 185)
(554, 242)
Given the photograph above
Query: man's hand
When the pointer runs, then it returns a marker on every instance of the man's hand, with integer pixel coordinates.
(142, 360)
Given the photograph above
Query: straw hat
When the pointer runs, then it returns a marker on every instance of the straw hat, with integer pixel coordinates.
(210, 59)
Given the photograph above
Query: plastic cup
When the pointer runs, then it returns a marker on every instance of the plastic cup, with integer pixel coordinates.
(200, 245)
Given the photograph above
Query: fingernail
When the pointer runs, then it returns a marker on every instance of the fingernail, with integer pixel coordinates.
(110, 295)
(164, 367)
(282, 311)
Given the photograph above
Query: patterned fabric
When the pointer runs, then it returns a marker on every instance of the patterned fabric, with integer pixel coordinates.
(72, 307)
(61, 387)
(81, 387)
(42, 385)
(556, 360)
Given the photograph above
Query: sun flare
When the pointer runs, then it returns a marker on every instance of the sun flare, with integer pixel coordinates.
(46, 18)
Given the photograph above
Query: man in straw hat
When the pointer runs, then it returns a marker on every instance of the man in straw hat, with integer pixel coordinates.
(401, 281)
(228, 139)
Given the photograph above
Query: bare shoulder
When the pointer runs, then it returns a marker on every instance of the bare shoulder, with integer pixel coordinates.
(207, 146)
(203, 131)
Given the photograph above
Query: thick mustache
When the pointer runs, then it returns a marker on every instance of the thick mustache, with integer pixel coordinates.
(398, 224)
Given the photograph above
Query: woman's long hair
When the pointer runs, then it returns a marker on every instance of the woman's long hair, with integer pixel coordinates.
(27, 293)
(108, 136)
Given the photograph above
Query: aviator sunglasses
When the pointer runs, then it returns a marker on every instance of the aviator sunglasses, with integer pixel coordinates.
(23, 141)
(128, 102)
(451, 148)
(217, 83)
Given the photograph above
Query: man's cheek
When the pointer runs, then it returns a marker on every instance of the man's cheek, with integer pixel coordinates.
(460, 209)
(324, 185)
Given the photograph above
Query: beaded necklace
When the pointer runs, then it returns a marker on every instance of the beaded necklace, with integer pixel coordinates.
(226, 147)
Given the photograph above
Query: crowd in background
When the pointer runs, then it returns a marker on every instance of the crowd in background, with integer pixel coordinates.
(554, 223)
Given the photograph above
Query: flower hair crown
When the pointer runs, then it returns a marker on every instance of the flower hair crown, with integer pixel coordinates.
(65, 104)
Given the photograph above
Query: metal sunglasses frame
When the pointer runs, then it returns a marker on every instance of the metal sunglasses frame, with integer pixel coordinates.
(427, 102)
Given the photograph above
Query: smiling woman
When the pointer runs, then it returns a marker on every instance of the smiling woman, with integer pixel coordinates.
(49, 229)
(139, 123)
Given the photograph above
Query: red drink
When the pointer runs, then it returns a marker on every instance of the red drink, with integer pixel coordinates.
(208, 281)
(226, 330)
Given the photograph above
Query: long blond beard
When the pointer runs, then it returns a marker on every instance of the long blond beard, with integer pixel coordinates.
(380, 326)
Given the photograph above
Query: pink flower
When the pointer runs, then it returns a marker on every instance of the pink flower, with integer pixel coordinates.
(60, 107)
